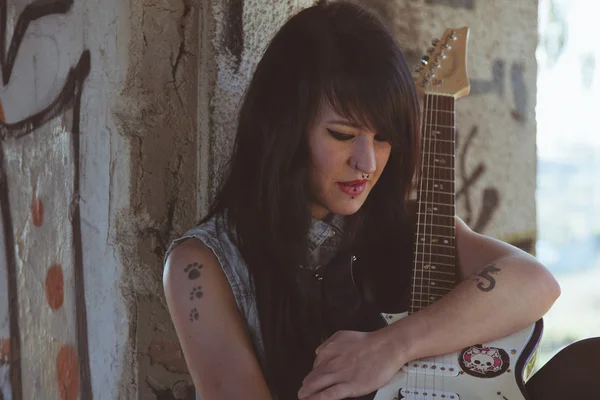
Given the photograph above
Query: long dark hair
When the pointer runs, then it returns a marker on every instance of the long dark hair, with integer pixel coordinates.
(340, 53)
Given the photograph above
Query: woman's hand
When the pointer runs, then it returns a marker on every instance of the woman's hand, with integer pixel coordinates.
(352, 364)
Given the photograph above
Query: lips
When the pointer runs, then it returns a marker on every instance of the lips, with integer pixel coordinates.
(353, 188)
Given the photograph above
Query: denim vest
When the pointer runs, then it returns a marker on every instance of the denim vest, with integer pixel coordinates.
(324, 240)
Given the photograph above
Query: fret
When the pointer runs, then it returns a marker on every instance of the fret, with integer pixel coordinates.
(440, 226)
(438, 161)
(442, 140)
(440, 255)
(422, 301)
(430, 204)
(439, 280)
(435, 274)
(437, 263)
(438, 236)
(439, 272)
(433, 298)
(437, 192)
(440, 187)
(435, 244)
(443, 120)
(435, 215)
(433, 203)
(440, 293)
(445, 210)
(440, 126)
(425, 252)
(433, 173)
(427, 285)
(427, 219)
(425, 178)
(438, 154)
(442, 111)
(433, 236)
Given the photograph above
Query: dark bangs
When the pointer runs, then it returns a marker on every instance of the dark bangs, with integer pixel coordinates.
(364, 76)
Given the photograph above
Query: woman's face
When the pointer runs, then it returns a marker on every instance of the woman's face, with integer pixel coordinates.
(345, 163)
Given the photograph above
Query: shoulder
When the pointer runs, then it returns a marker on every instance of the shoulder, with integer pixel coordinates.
(189, 263)
(210, 248)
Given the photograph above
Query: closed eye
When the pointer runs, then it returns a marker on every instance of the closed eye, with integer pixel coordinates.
(380, 138)
(340, 136)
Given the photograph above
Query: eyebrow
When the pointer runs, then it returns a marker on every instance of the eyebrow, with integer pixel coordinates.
(344, 122)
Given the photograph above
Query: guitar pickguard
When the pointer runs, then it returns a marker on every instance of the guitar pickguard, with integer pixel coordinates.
(496, 370)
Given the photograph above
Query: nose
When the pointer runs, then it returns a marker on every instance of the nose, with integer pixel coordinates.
(363, 156)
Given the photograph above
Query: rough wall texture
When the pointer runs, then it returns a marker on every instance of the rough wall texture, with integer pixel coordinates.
(496, 156)
(116, 118)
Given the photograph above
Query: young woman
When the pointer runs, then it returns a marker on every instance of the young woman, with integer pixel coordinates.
(324, 160)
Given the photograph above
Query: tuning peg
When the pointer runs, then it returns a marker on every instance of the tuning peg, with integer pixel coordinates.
(453, 36)
(424, 60)
(430, 50)
(418, 68)
(435, 42)
(447, 46)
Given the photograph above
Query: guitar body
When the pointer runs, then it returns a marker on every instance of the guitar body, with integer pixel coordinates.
(496, 370)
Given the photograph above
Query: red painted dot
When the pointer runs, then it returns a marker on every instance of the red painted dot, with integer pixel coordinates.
(55, 287)
(2, 113)
(37, 212)
(4, 351)
(67, 373)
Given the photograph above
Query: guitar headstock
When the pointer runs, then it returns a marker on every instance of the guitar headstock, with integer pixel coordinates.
(444, 69)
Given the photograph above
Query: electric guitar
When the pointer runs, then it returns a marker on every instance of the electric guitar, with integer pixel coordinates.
(486, 371)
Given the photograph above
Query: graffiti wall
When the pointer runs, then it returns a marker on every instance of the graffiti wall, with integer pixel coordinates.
(41, 214)
(115, 120)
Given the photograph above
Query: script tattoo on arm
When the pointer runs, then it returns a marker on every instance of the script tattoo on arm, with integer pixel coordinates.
(193, 273)
(486, 274)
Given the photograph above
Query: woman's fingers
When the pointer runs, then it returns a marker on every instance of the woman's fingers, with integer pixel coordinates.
(335, 392)
(315, 383)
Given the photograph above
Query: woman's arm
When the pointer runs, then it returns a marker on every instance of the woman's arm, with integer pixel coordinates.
(211, 330)
(503, 290)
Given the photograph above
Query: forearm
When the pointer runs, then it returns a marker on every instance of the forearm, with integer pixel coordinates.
(479, 309)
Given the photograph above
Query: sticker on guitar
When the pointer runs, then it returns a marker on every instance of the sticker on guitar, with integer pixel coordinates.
(484, 362)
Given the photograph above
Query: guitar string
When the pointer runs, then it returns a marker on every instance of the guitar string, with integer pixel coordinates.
(418, 234)
(428, 221)
(435, 152)
(433, 138)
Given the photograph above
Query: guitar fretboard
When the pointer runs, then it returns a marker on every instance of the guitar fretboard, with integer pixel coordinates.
(434, 272)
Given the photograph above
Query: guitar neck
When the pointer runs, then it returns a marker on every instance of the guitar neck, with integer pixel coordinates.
(434, 269)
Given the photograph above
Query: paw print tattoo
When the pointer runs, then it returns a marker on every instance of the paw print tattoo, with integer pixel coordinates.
(194, 315)
(193, 270)
(196, 292)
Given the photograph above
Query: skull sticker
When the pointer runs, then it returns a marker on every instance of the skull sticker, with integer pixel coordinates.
(484, 362)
